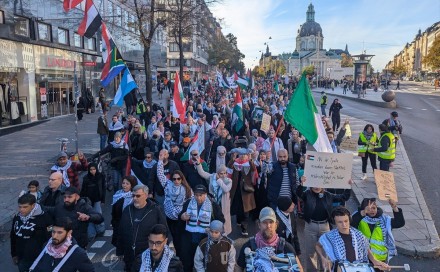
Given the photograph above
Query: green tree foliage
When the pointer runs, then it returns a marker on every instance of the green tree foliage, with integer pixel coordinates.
(433, 57)
(309, 70)
(224, 53)
(398, 70)
(346, 60)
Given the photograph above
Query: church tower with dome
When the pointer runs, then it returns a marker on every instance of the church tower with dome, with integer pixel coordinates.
(309, 36)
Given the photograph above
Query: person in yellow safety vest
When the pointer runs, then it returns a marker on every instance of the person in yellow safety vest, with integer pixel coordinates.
(366, 143)
(386, 151)
(377, 226)
(141, 111)
(323, 103)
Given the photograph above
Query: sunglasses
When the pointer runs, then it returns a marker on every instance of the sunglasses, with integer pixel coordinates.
(177, 178)
(137, 196)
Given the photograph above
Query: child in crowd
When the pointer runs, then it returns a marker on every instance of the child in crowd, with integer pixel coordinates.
(33, 189)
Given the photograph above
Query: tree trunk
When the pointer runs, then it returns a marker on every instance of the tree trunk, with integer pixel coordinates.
(148, 81)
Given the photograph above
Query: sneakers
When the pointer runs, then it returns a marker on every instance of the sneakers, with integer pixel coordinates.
(244, 231)
(364, 177)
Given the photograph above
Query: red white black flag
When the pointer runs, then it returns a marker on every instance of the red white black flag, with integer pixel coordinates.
(91, 21)
(70, 4)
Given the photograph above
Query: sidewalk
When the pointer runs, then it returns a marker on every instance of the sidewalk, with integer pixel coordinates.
(419, 236)
(371, 97)
(30, 152)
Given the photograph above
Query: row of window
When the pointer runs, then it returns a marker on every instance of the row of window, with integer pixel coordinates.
(44, 32)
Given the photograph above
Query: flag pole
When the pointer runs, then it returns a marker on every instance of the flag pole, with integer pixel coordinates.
(276, 132)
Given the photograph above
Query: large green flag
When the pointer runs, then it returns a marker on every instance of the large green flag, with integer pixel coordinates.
(302, 113)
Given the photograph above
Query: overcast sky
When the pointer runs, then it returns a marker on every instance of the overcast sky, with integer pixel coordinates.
(381, 27)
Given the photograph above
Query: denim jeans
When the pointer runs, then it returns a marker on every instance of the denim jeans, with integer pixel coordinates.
(94, 229)
(117, 178)
(103, 142)
(323, 110)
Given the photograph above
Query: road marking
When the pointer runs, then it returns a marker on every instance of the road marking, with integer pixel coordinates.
(437, 110)
(408, 108)
(108, 233)
(98, 244)
(424, 109)
(90, 255)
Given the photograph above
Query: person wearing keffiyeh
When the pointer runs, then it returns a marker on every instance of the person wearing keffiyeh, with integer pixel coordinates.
(345, 243)
(377, 226)
(158, 257)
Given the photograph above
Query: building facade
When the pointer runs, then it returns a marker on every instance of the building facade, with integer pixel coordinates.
(41, 50)
(411, 56)
(309, 51)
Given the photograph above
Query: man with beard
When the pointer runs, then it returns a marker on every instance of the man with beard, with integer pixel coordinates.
(28, 232)
(143, 168)
(273, 143)
(282, 180)
(158, 257)
(80, 212)
(61, 252)
(266, 237)
(135, 226)
(155, 188)
(70, 169)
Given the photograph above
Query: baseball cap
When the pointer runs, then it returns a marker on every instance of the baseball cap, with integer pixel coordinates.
(62, 154)
(186, 140)
(267, 214)
(173, 143)
(71, 190)
(200, 189)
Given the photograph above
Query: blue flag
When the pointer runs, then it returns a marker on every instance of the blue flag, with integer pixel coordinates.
(126, 86)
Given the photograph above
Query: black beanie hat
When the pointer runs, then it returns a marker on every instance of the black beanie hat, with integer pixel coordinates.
(284, 203)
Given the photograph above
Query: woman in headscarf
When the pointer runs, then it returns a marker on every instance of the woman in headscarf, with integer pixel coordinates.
(177, 191)
(215, 121)
(121, 199)
(256, 139)
(221, 158)
(219, 187)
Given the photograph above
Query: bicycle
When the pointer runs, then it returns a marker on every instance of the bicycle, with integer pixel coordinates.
(63, 147)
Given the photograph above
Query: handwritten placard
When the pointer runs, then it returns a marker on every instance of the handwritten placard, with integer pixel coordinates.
(265, 123)
(328, 170)
(349, 144)
(386, 187)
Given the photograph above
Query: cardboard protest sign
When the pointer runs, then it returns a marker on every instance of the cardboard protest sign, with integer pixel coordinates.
(328, 170)
(386, 187)
(349, 144)
(265, 123)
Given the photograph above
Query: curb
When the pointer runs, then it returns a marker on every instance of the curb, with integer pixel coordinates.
(390, 105)
(15, 128)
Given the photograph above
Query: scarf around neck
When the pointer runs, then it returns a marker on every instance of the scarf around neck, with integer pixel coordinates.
(242, 165)
(128, 198)
(384, 222)
(164, 262)
(58, 251)
(335, 248)
(63, 170)
(121, 144)
(175, 196)
(367, 135)
(199, 220)
(287, 222)
(35, 210)
(259, 240)
(149, 165)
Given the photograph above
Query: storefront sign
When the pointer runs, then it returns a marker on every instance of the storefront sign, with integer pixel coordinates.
(88, 63)
(59, 62)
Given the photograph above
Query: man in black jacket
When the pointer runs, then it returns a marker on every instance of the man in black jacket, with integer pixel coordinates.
(282, 181)
(53, 193)
(61, 252)
(135, 226)
(80, 212)
(158, 256)
(29, 232)
(154, 186)
(287, 222)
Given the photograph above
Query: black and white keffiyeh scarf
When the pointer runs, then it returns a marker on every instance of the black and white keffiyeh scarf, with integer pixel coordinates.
(63, 170)
(287, 222)
(163, 265)
(334, 246)
(262, 261)
(384, 222)
(128, 198)
(24, 219)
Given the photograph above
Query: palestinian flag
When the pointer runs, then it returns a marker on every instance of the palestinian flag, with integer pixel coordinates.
(178, 107)
(195, 145)
(303, 115)
(237, 113)
(91, 21)
(243, 83)
(70, 4)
